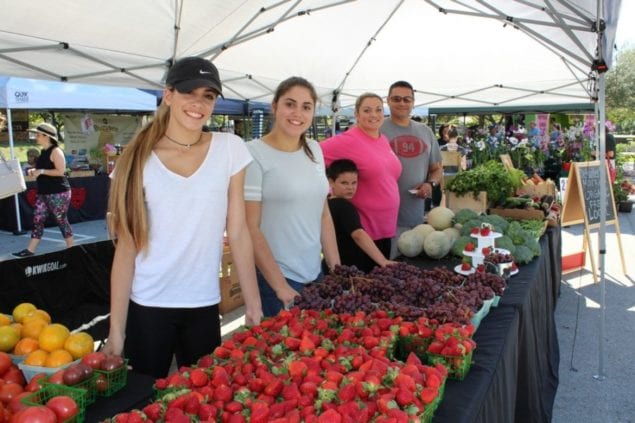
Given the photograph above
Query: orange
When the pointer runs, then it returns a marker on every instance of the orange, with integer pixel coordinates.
(32, 328)
(79, 344)
(4, 320)
(53, 337)
(58, 358)
(22, 310)
(36, 358)
(25, 346)
(9, 336)
(37, 314)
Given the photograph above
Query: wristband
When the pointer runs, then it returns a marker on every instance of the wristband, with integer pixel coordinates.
(41, 171)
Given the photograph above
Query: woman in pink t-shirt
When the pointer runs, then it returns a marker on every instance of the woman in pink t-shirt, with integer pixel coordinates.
(377, 197)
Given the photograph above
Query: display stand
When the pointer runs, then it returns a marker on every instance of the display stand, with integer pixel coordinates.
(582, 205)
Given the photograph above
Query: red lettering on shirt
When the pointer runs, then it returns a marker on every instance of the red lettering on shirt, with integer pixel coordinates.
(408, 146)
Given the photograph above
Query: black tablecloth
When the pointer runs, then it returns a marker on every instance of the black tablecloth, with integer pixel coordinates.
(514, 376)
(89, 200)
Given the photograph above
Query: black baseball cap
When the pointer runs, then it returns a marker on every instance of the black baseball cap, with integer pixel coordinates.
(190, 73)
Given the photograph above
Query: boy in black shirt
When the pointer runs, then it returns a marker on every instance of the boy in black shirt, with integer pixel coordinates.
(354, 244)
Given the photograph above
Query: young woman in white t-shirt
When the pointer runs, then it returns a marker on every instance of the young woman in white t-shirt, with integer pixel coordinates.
(174, 192)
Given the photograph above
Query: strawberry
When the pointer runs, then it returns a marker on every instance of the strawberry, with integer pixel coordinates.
(465, 266)
(135, 416)
(480, 268)
(234, 407)
(470, 246)
(293, 416)
(222, 352)
(307, 346)
(198, 378)
(404, 397)
(207, 412)
(273, 388)
(347, 393)
(297, 369)
(309, 388)
(276, 410)
(385, 404)
(428, 395)
(259, 412)
(292, 343)
(256, 385)
(154, 411)
(475, 230)
(486, 251)
(290, 392)
(176, 415)
(220, 376)
(178, 380)
(192, 405)
(223, 393)
(236, 418)
(485, 231)
(330, 416)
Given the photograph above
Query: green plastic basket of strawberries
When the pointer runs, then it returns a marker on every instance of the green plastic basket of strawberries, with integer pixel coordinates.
(452, 347)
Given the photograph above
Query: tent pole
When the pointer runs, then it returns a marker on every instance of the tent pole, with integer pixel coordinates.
(601, 134)
(18, 230)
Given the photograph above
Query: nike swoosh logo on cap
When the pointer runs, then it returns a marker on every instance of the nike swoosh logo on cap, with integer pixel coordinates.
(203, 72)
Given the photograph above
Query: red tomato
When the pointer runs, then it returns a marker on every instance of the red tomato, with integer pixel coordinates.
(57, 377)
(15, 375)
(16, 404)
(37, 414)
(94, 359)
(101, 383)
(63, 406)
(5, 362)
(8, 391)
(35, 382)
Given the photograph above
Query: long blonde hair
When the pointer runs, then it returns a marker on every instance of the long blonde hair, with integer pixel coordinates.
(127, 213)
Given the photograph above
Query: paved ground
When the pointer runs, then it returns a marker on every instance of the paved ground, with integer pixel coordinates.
(582, 396)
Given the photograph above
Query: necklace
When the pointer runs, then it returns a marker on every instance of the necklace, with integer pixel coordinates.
(188, 146)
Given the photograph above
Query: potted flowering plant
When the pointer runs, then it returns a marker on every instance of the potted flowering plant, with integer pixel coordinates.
(622, 188)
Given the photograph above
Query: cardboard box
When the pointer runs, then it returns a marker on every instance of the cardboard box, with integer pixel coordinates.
(456, 203)
(519, 213)
(547, 187)
(81, 173)
(231, 295)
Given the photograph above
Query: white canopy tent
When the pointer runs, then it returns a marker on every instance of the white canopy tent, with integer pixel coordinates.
(455, 52)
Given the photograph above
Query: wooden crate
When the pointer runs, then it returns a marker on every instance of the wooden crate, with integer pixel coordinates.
(519, 213)
(231, 295)
(456, 203)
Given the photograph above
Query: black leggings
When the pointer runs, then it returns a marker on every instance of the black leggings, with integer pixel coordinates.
(155, 334)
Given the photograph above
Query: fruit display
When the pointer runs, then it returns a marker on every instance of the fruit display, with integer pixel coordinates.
(405, 290)
(520, 243)
(32, 339)
(435, 238)
(305, 365)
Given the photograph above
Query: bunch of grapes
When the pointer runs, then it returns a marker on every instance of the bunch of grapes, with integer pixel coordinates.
(352, 302)
(497, 258)
(310, 299)
(495, 282)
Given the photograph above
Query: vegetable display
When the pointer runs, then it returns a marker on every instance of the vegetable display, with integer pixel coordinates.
(492, 177)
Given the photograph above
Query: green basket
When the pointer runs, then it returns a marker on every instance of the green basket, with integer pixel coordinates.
(116, 379)
(412, 343)
(50, 390)
(87, 385)
(458, 366)
(428, 413)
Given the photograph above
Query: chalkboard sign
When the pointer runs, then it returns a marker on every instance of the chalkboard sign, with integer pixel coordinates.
(590, 183)
(582, 197)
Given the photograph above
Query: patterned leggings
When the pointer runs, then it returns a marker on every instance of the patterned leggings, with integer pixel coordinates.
(56, 204)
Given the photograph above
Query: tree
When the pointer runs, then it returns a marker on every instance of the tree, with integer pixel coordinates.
(620, 91)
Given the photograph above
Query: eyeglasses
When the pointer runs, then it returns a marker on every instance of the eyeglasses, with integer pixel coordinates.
(399, 99)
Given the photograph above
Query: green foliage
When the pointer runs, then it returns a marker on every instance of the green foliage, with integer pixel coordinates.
(491, 177)
(522, 255)
(465, 215)
(459, 245)
(506, 243)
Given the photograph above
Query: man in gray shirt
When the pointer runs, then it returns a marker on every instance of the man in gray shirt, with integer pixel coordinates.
(417, 149)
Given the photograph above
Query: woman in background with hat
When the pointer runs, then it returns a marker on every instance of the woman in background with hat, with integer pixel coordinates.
(53, 189)
(174, 192)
